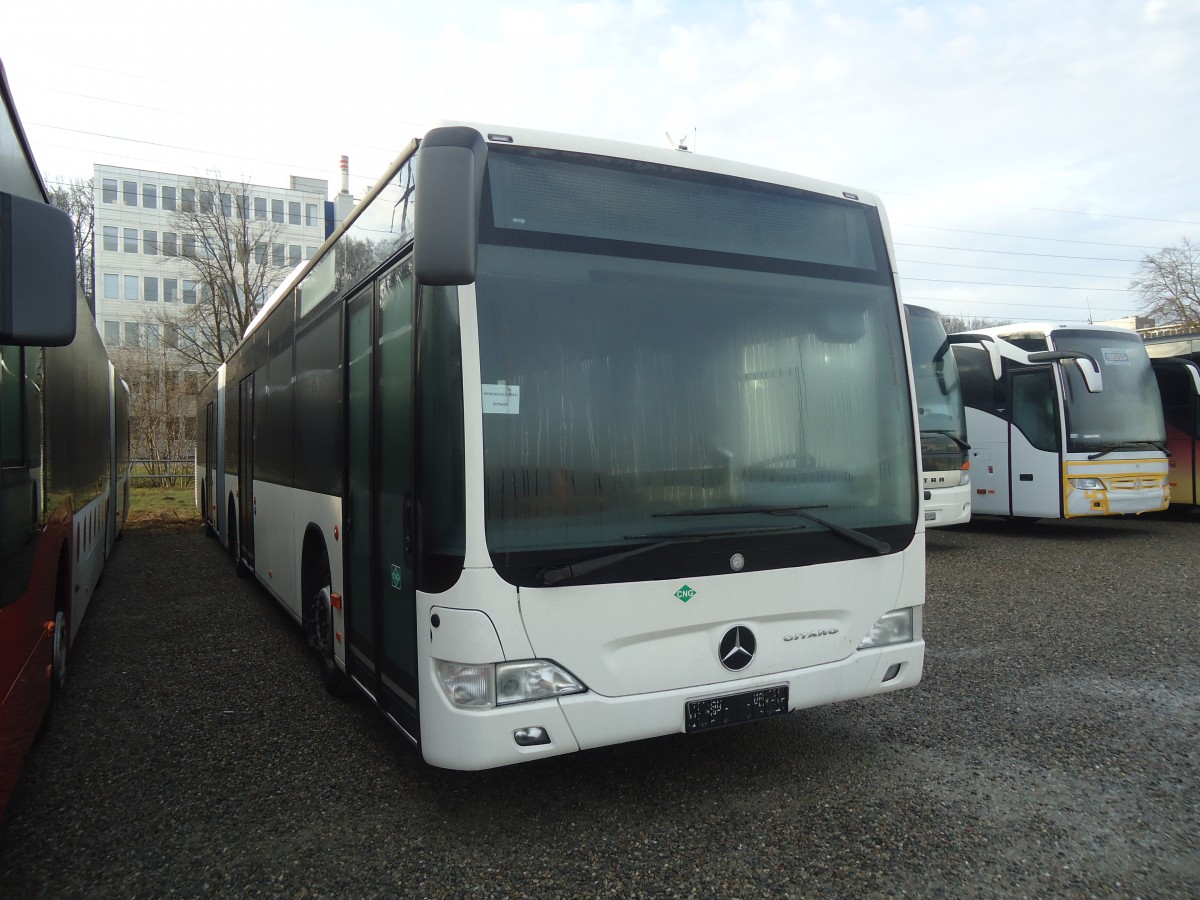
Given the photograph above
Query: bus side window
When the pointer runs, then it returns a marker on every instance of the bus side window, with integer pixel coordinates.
(1033, 407)
(1178, 398)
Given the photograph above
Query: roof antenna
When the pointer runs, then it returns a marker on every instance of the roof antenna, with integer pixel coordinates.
(1088, 301)
(681, 144)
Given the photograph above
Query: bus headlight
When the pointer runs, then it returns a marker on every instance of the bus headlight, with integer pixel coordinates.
(1086, 484)
(895, 627)
(487, 685)
(533, 679)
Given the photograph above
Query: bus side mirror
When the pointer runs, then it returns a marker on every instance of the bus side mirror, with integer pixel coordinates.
(1088, 367)
(1191, 368)
(985, 341)
(37, 273)
(449, 187)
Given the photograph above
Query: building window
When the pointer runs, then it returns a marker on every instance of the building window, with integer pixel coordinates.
(150, 243)
(277, 254)
(243, 206)
(293, 254)
(131, 241)
(150, 196)
(206, 202)
(187, 199)
(310, 252)
(129, 188)
(150, 288)
(227, 205)
(293, 212)
(170, 290)
(168, 197)
(170, 335)
(170, 243)
(112, 333)
(260, 254)
(131, 287)
(277, 211)
(109, 190)
(189, 291)
(133, 334)
(152, 337)
(310, 214)
(260, 208)
(189, 245)
(110, 237)
(112, 286)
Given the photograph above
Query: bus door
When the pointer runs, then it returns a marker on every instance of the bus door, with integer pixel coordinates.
(379, 592)
(246, 469)
(210, 464)
(1035, 445)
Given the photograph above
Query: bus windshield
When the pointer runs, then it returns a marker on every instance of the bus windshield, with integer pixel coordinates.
(1127, 413)
(940, 411)
(635, 370)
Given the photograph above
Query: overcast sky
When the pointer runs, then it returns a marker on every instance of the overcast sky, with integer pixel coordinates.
(1029, 153)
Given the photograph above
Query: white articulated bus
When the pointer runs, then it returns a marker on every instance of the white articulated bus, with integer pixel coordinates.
(1063, 421)
(558, 443)
(945, 462)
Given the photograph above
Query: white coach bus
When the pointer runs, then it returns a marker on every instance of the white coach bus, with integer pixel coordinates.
(558, 443)
(945, 464)
(1064, 421)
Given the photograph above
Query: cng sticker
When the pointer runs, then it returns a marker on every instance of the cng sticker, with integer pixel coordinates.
(396, 577)
(685, 593)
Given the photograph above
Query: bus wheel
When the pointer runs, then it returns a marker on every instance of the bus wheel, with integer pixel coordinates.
(322, 638)
(58, 653)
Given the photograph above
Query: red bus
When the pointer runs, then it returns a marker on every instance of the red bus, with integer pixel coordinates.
(64, 441)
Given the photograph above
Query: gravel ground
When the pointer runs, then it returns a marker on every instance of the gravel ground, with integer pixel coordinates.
(1050, 751)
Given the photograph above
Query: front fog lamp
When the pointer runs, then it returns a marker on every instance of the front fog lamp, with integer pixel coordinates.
(1086, 484)
(895, 627)
(486, 685)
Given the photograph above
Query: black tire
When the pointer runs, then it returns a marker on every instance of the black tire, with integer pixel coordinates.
(321, 636)
(58, 653)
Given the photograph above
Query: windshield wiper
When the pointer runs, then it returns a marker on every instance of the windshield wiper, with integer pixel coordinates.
(963, 445)
(850, 534)
(552, 575)
(1125, 446)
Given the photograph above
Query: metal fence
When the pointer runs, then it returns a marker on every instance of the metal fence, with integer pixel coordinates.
(162, 472)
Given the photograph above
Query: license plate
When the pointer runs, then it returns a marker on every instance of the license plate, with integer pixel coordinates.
(715, 712)
(930, 516)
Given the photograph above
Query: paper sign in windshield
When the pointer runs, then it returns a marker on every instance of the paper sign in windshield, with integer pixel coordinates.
(504, 399)
(1114, 357)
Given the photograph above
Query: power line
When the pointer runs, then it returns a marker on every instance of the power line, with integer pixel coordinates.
(1018, 253)
(1026, 237)
(926, 262)
(1045, 287)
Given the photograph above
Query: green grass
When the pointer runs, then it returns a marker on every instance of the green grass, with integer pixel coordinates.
(150, 505)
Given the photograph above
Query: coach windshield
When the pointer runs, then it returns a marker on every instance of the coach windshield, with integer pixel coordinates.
(685, 366)
(1127, 413)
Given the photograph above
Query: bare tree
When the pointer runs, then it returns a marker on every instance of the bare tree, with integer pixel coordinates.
(1168, 284)
(161, 401)
(74, 197)
(236, 259)
(954, 324)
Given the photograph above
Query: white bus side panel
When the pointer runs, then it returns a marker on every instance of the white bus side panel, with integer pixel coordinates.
(281, 519)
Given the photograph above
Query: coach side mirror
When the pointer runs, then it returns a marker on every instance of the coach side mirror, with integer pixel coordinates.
(986, 342)
(1088, 368)
(37, 273)
(449, 186)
